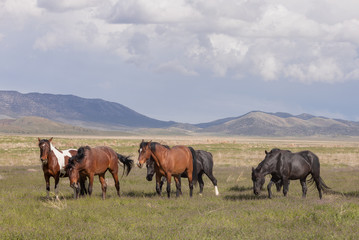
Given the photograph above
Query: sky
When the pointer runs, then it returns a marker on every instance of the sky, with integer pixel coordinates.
(188, 61)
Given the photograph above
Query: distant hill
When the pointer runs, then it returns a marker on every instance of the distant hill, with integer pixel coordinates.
(282, 124)
(74, 110)
(39, 125)
(62, 114)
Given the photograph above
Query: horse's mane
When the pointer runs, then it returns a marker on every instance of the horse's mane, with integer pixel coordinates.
(153, 145)
(77, 158)
(273, 151)
(81, 153)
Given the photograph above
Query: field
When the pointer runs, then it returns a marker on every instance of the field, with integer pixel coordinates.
(140, 214)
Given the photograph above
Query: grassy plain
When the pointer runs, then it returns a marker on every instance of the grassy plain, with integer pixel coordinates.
(140, 214)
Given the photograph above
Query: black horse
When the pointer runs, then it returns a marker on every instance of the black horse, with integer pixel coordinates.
(204, 166)
(284, 165)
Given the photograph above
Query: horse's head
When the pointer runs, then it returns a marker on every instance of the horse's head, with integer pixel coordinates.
(258, 181)
(150, 165)
(144, 153)
(45, 148)
(258, 176)
(73, 172)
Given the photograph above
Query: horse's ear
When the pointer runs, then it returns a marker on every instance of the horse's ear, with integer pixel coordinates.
(39, 139)
(266, 152)
(142, 140)
(50, 139)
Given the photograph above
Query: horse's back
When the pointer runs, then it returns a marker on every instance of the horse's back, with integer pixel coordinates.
(298, 164)
(179, 152)
(180, 158)
(204, 160)
(102, 156)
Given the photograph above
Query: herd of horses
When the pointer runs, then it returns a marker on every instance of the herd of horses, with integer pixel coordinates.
(166, 162)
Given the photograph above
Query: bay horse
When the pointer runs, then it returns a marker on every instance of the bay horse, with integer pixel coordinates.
(284, 166)
(170, 162)
(96, 161)
(53, 164)
(204, 161)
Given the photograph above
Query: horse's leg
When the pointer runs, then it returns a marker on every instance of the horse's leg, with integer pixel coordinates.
(190, 183)
(83, 190)
(57, 179)
(162, 181)
(168, 185)
(159, 184)
(103, 185)
(178, 186)
(47, 180)
(117, 182)
(285, 186)
(269, 186)
(201, 183)
(91, 177)
(214, 181)
(278, 185)
(304, 187)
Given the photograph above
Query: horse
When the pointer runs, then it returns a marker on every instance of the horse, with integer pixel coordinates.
(170, 162)
(204, 165)
(53, 164)
(96, 161)
(284, 166)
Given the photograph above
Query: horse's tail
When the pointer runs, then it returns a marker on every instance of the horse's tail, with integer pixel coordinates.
(316, 172)
(194, 162)
(321, 183)
(127, 163)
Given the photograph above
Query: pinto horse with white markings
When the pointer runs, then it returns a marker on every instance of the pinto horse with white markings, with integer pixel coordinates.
(53, 164)
(170, 162)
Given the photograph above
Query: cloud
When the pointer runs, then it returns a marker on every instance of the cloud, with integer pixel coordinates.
(302, 41)
(65, 5)
(155, 11)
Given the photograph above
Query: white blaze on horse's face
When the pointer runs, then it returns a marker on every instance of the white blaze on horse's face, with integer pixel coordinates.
(142, 156)
(139, 156)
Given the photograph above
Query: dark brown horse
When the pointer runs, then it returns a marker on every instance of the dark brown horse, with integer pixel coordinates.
(53, 164)
(170, 162)
(96, 161)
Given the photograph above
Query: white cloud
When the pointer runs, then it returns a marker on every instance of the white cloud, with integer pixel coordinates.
(322, 70)
(303, 41)
(65, 5)
(155, 11)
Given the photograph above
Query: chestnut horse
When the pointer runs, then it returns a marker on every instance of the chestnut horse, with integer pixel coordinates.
(96, 161)
(204, 166)
(53, 164)
(170, 162)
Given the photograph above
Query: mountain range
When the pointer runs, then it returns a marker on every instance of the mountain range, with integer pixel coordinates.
(31, 112)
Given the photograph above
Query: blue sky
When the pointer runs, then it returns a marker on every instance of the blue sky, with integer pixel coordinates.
(187, 61)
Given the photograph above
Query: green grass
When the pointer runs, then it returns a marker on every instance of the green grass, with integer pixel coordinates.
(140, 214)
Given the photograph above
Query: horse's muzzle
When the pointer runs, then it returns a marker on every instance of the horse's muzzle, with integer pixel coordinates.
(44, 161)
(149, 177)
(139, 165)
